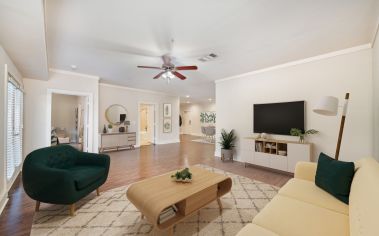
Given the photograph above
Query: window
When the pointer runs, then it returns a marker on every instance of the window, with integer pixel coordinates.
(14, 127)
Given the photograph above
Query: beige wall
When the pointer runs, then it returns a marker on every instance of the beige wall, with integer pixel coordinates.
(334, 75)
(4, 61)
(131, 98)
(36, 102)
(194, 110)
(63, 112)
(375, 67)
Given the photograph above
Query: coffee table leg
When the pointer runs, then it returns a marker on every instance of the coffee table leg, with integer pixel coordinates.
(219, 204)
(170, 231)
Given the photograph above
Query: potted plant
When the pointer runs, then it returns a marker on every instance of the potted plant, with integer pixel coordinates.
(110, 128)
(299, 132)
(227, 144)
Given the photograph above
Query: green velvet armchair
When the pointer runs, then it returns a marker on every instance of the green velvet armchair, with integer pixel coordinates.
(63, 175)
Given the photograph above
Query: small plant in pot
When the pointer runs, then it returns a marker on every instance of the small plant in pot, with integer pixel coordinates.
(227, 144)
(110, 128)
(299, 132)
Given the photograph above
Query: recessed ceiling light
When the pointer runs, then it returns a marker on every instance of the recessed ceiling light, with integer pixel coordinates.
(187, 96)
(73, 67)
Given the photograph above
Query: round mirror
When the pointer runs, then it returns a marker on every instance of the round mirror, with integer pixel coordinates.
(116, 114)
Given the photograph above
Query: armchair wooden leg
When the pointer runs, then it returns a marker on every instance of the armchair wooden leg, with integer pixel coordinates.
(38, 203)
(72, 209)
(97, 192)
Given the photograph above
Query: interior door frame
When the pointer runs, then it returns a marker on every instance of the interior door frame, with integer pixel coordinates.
(155, 123)
(88, 121)
(187, 113)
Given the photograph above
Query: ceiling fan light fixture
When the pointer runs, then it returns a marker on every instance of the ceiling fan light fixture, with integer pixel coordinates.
(168, 76)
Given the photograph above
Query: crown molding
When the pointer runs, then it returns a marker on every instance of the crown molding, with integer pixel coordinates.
(299, 62)
(65, 72)
(135, 89)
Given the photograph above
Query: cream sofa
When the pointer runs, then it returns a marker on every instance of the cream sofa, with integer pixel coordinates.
(302, 209)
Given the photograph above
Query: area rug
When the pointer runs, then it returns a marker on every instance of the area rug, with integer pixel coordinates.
(112, 214)
(203, 141)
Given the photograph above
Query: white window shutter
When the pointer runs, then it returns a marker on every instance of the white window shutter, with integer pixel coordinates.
(14, 129)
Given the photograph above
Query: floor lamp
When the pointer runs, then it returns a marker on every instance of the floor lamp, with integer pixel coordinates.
(328, 106)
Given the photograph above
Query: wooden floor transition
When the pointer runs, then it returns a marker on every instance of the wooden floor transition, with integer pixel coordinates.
(133, 165)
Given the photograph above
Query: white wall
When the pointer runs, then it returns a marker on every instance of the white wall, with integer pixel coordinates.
(130, 99)
(336, 75)
(194, 110)
(63, 112)
(375, 71)
(5, 61)
(36, 99)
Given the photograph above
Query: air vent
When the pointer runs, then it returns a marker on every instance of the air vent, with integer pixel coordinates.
(209, 57)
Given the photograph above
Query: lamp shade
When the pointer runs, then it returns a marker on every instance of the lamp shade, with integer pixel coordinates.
(327, 106)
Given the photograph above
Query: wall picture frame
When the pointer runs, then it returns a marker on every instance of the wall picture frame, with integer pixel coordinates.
(167, 125)
(208, 117)
(167, 110)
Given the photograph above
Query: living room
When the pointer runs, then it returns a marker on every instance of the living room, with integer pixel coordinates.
(204, 117)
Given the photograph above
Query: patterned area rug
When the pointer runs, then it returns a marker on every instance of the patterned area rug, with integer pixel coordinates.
(112, 214)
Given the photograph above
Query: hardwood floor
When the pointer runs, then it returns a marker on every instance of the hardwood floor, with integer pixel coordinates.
(133, 165)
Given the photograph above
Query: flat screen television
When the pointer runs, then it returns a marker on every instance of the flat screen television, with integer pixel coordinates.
(278, 118)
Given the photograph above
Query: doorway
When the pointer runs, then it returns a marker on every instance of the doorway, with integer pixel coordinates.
(146, 124)
(69, 119)
(186, 123)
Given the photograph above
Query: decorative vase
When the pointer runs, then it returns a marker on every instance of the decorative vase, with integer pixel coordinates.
(263, 135)
(105, 130)
(110, 130)
(301, 139)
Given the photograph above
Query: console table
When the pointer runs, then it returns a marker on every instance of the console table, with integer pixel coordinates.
(275, 154)
(116, 141)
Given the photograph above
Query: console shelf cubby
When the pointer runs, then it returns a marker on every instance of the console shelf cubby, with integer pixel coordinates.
(276, 154)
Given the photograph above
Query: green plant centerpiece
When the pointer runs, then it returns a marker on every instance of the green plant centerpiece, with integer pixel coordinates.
(299, 132)
(182, 176)
(227, 144)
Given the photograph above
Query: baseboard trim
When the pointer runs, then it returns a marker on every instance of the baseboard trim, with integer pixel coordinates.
(169, 141)
(3, 202)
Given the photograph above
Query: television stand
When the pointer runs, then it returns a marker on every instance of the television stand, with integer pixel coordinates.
(275, 154)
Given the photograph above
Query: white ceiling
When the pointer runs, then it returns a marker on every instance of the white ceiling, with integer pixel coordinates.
(110, 38)
(22, 35)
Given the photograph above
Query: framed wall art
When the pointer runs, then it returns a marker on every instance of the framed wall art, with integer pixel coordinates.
(167, 126)
(167, 110)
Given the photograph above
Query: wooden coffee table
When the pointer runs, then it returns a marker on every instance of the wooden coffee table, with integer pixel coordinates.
(153, 195)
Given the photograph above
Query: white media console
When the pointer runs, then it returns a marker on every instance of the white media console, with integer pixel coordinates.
(276, 154)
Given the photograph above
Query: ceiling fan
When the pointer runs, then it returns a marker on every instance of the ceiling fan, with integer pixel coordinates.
(169, 70)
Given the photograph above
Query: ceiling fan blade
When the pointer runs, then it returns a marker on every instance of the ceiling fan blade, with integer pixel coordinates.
(116, 47)
(159, 75)
(180, 76)
(186, 68)
(150, 67)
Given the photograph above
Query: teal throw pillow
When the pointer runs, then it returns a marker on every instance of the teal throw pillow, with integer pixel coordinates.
(335, 177)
